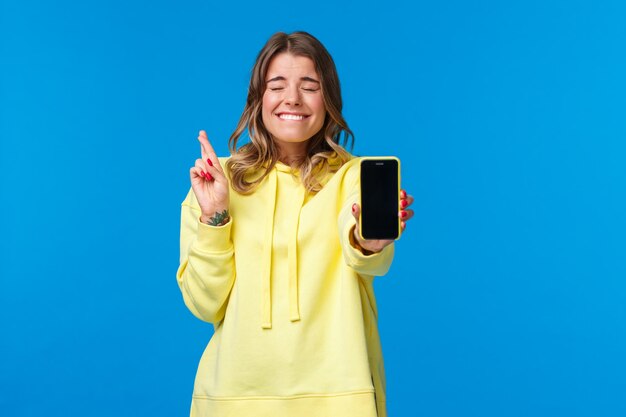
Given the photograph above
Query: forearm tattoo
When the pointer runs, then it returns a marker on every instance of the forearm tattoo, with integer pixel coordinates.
(219, 219)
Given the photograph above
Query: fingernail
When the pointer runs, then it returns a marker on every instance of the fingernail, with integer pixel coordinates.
(404, 203)
(403, 194)
(209, 177)
(202, 173)
(354, 208)
(209, 162)
(403, 214)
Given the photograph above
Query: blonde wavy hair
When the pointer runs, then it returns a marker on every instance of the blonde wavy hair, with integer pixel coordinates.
(325, 149)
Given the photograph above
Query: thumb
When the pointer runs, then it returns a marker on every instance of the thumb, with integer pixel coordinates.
(356, 212)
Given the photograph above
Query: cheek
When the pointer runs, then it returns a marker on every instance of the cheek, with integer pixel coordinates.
(318, 106)
(320, 109)
(267, 107)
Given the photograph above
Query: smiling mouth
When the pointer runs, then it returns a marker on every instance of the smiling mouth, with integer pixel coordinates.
(296, 117)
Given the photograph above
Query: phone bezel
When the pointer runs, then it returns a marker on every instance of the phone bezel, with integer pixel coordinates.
(378, 158)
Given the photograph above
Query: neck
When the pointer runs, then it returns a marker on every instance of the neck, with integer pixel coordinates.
(292, 153)
(291, 159)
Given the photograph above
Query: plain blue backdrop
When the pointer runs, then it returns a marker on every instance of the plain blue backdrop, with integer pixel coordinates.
(507, 296)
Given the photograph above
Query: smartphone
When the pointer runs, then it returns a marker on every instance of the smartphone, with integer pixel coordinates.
(380, 198)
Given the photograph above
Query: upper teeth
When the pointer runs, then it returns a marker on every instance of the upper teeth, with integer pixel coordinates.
(291, 116)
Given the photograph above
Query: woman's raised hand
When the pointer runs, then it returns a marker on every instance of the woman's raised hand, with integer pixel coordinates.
(376, 245)
(209, 184)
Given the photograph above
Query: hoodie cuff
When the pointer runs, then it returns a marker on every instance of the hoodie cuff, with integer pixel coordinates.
(376, 263)
(214, 238)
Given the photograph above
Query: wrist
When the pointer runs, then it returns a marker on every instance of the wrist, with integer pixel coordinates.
(217, 218)
(355, 242)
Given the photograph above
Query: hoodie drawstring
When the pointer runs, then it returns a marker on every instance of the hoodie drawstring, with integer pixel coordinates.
(292, 257)
(267, 252)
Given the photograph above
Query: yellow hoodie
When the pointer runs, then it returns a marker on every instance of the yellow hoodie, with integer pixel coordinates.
(291, 301)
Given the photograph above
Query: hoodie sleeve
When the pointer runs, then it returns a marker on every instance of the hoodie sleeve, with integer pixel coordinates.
(207, 271)
(376, 264)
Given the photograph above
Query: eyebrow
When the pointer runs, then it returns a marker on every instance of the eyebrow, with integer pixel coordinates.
(281, 78)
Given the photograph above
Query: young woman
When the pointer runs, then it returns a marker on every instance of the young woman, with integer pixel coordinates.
(271, 254)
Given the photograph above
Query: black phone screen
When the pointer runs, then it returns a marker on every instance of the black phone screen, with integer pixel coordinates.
(379, 199)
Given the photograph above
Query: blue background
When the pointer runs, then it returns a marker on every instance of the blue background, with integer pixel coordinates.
(507, 296)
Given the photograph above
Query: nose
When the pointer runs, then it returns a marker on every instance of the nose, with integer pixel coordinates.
(292, 96)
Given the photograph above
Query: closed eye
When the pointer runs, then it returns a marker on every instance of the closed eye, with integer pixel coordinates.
(282, 88)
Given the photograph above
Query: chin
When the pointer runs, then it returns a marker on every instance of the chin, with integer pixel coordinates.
(290, 139)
